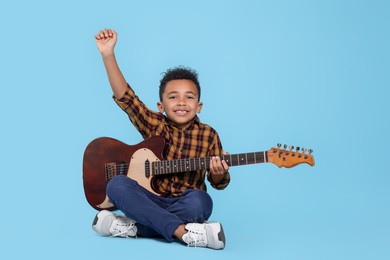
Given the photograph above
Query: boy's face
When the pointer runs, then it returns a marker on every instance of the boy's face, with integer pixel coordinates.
(180, 101)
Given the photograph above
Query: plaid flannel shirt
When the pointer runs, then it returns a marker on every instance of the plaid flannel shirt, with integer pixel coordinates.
(197, 140)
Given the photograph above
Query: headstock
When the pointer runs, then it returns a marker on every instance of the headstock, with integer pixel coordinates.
(283, 157)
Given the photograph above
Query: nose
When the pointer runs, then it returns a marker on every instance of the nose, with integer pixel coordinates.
(181, 102)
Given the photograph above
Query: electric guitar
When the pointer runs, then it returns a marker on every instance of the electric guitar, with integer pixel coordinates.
(106, 157)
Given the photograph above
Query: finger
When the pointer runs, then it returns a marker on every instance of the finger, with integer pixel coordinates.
(100, 35)
(112, 33)
(213, 166)
(217, 165)
(225, 166)
(108, 33)
(103, 34)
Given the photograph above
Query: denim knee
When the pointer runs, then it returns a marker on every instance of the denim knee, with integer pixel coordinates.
(199, 205)
(118, 185)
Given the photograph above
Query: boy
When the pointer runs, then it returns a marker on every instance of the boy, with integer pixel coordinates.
(184, 206)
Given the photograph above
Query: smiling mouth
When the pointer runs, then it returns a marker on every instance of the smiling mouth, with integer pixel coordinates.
(181, 112)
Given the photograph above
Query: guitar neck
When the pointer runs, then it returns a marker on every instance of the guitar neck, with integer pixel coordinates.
(203, 163)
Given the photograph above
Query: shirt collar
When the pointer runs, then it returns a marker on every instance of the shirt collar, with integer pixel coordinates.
(194, 121)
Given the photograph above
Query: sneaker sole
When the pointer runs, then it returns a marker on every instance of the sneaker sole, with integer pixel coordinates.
(215, 240)
(98, 222)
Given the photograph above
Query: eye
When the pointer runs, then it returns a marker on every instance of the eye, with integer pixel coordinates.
(190, 97)
(171, 97)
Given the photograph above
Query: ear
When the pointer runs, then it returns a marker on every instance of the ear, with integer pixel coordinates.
(160, 107)
(199, 108)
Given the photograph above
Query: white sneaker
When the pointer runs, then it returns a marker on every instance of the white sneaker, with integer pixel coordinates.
(208, 234)
(108, 224)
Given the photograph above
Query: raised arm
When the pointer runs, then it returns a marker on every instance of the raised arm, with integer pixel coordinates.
(105, 41)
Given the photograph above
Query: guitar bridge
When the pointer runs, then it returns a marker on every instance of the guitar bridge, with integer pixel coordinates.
(110, 171)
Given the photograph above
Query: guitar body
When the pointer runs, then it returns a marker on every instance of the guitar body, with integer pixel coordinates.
(103, 151)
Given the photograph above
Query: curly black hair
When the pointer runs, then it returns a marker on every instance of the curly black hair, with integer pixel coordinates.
(179, 73)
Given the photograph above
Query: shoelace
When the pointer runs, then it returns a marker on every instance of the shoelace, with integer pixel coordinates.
(123, 228)
(196, 237)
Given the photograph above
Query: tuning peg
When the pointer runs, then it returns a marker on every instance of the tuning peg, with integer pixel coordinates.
(297, 149)
(304, 153)
(287, 152)
(310, 151)
(291, 150)
(279, 145)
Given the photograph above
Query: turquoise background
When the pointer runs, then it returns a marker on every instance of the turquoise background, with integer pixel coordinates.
(313, 74)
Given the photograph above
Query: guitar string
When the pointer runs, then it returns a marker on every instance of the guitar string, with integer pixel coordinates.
(186, 164)
(195, 162)
(235, 157)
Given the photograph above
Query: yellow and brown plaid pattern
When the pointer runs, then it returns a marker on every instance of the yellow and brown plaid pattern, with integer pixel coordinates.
(197, 140)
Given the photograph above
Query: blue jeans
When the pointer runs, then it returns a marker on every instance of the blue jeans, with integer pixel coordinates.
(155, 215)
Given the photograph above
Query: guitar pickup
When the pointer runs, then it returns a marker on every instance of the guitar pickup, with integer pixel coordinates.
(147, 169)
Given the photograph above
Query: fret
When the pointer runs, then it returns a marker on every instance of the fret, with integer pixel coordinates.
(257, 157)
(189, 164)
(158, 168)
(182, 165)
(205, 163)
(241, 159)
(163, 167)
(169, 165)
(175, 166)
(254, 157)
(192, 164)
(169, 169)
(251, 158)
(178, 162)
(230, 160)
(172, 166)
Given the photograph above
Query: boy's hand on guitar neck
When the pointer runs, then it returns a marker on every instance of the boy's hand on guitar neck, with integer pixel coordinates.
(106, 40)
(218, 168)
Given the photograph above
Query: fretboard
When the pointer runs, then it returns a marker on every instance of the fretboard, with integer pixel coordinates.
(203, 163)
